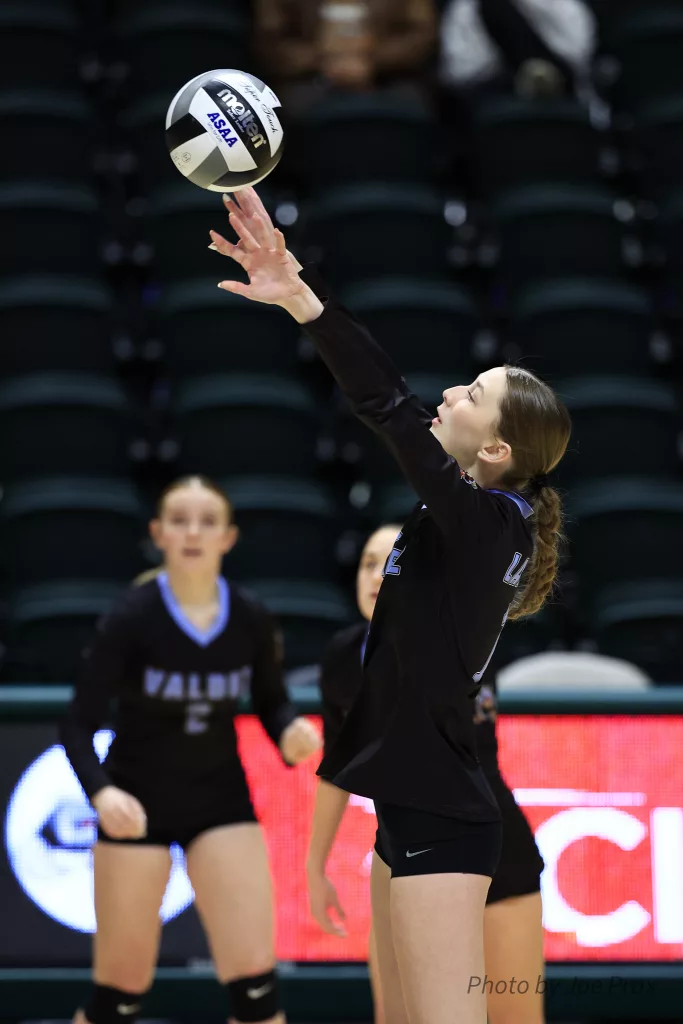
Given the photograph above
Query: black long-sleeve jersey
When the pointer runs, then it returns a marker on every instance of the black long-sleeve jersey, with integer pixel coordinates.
(409, 738)
(341, 677)
(177, 692)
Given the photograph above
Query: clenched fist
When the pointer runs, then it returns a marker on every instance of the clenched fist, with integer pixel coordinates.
(299, 740)
(121, 815)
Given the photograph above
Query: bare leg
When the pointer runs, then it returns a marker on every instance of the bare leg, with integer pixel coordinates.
(375, 984)
(513, 947)
(130, 882)
(229, 871)
(437, 925)
(391, 993)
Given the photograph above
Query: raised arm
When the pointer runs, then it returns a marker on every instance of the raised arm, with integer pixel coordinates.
(364, 372)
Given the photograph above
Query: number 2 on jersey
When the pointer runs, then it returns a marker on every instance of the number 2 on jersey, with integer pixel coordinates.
(392, 568)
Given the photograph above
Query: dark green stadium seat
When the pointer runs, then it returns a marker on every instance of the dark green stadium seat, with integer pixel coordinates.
(647, 41)
(61, 148)
(658, 141)
(229, 425)
(618, 424)
(180, 216)
(288, 528)
(619, 523)
(71, 528)
(50, 624)
(47, 228)
(641, 620)
(374, 137)
(381, 230)
(425, 326)
(205, 329)
(552, 230)
(141, 124)
(55, 323)
(520, 140)
(599, 326)
(309, 613)
(167, 45)
(57, 423)
(39, 46)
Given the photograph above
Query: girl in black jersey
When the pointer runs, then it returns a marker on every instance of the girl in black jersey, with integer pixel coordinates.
(176, 653)
(480, 546)
(513, 931)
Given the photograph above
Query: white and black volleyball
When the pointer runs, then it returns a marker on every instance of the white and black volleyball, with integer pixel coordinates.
(222, 130)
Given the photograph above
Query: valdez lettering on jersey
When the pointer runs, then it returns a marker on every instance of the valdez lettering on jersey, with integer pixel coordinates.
(194, 686)
(243, 116)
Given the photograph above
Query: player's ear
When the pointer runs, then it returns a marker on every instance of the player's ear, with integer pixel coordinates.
(496, 453)
(232, 535)
(155, 532)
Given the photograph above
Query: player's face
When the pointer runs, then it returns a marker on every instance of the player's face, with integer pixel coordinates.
(373, 559)
(465, 422)
(193, 531)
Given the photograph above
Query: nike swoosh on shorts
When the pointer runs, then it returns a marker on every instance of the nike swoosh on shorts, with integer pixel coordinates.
(415, 852)
(127, 1010)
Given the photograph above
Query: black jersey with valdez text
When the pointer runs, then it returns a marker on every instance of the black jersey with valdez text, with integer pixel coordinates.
(409, 738)
(176, 690)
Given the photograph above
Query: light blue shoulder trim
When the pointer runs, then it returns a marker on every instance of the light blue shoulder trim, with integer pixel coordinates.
(523, 506)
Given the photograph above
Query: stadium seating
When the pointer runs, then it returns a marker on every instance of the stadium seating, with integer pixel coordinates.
(288, 528)
(657, 141)
(425, 326)
(618, 424)
(50, 624)
(71, 528)
(553, 230)
(365, 231)
(165, 45)
(647, 43)
(203, 329)
(380, 137)
(595, 325)
(47, 228)
(62, 148)
(309, 613)
(619, 523)
(39, 45)
(55, 323)
(641, 620)
(520, 141)
(570, 670)
(72, 424)
(242, 424)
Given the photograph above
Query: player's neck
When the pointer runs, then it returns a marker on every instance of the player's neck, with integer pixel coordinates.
(193, 589)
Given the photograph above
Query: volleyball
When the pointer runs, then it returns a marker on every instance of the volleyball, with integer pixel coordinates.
(223, 132)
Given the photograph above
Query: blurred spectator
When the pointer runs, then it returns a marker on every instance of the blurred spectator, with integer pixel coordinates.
(312, 47)
(536, 47)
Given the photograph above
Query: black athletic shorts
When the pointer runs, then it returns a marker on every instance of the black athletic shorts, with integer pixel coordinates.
(520, 867)
(413, 842)
(162, 833)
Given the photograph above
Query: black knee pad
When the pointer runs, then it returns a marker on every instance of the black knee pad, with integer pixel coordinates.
(112, 1006)
(254, 999)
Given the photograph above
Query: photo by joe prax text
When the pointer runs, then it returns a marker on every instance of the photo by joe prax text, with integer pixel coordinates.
(583, 986)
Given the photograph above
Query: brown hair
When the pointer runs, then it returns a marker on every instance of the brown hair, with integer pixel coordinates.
(183, 481)
(187, 481)
(536, 425)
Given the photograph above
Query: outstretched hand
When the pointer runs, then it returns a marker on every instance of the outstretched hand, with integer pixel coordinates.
(261, 250)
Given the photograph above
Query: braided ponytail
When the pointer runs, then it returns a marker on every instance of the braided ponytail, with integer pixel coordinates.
(536, 425)
(540, 576)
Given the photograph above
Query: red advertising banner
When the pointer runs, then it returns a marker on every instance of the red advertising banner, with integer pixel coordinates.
(603, 793)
